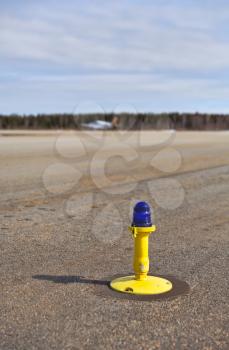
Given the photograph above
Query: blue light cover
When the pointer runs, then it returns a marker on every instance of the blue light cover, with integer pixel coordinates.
(142, 215)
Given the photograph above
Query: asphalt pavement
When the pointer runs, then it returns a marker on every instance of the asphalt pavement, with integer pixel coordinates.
(60, 246)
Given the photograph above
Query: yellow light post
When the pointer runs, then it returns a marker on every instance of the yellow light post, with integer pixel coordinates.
(141, 283)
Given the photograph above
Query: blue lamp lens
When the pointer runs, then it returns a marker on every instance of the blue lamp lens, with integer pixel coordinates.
(142, 215)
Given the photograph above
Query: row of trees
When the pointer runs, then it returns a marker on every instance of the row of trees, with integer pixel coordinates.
(183, 121)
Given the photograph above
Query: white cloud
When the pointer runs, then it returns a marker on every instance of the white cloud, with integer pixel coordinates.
(119, 36)
(110, 84)
(123, 50)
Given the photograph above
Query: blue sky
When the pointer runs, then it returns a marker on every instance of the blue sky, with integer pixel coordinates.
(64, 56)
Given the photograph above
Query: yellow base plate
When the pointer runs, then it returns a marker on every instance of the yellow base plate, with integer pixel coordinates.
(152, 285)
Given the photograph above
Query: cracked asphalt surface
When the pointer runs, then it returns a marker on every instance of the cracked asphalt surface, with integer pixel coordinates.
(54, 264)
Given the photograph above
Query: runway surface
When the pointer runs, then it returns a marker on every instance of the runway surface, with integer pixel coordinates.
(65, 206)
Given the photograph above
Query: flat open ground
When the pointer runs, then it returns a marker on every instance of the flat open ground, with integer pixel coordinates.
(65, 207)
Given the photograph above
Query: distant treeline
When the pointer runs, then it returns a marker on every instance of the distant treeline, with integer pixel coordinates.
(182, 121)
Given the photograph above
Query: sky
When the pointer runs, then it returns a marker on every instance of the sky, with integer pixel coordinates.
(113, 56)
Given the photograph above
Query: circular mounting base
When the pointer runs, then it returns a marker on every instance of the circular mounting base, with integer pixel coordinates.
(151, 286)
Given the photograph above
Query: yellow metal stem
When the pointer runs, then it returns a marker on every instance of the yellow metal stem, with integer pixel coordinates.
(141, 257)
